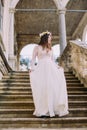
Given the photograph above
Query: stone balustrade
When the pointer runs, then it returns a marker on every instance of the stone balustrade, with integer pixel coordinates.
(74, 58)
(3, 69)
(4, 66)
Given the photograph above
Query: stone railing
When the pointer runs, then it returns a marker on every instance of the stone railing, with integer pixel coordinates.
(74, 59)
(4, 66)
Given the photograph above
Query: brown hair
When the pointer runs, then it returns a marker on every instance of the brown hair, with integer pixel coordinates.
(44, 41)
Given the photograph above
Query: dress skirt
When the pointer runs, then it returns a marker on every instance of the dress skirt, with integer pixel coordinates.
(49, 89)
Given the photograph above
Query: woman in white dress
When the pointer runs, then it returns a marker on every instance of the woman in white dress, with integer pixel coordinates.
(47, 81)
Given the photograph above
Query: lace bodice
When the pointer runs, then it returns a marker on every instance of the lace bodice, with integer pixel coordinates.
(40, 53)
(43, 53)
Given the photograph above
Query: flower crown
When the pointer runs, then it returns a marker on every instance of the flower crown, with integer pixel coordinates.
(43, 33)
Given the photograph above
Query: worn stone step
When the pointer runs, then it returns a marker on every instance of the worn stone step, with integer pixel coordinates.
(71, 81)
(15, 80)
(77, 104)
(76, 88)
(6, 87)
(29, 104)
(25, 88)
(14, 84)
(74, 85)
(29, 92)
(27, 73)
(72, 78)
(63, 122)
(30, 98)
(11, 88)
(77, 97)
(24, 74)
(28, 83)
(28, 86)
(21, 85)
(15, 93)
(28, 80)
(16, 98)
(15, 77)
(27, 113)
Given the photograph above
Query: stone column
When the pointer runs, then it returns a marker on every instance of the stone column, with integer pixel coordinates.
(5, 31)
(62, 30)
(11, 58)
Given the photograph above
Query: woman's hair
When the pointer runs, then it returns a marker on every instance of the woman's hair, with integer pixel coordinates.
(44, 41)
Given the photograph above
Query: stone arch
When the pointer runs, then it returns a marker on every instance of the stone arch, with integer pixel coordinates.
(84, 34)
(19, 51)
(26, 53)
(59, 3)
(14, 3)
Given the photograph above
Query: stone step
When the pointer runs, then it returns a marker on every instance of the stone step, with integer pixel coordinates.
(24, 92)
(73, 80)
(28, 83)
(25, 88)
(15, 77)
(75, 85)
(27, 73)
(30, 98)
(70, 77)
(10, 92)
(29, 104)
(28, 76)
(77, 97)
(63, 122)
(28, 86)
(28, 80)
(27, 113)
(22, 86)
(76, 88)
(16, 98)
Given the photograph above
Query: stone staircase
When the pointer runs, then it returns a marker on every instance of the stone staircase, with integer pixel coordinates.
(16, 104)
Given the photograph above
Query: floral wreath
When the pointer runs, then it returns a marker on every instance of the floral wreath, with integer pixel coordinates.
(43, 33)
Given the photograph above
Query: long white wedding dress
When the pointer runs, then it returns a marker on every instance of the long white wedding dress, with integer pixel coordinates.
(48, 85)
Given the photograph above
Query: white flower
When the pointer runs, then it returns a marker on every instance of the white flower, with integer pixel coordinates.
(43, 33)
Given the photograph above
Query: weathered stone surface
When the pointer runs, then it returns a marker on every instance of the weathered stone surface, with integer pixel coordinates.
(75, 58)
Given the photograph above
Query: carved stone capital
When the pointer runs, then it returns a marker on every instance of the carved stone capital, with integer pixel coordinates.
(12, 10)
(61, 11)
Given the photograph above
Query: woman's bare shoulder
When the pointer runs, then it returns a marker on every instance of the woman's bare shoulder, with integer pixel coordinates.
(39, 47)
(36, 47)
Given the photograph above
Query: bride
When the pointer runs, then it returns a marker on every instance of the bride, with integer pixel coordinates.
(47, 81)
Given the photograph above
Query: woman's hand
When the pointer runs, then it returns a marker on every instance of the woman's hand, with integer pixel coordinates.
(30, 70)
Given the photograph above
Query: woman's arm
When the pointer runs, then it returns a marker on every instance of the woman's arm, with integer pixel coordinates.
(35, 52)
(52, 57)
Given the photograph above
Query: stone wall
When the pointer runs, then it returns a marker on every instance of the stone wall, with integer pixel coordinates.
(65, 58)
(74, 59)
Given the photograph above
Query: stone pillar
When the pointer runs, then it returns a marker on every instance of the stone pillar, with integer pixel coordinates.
(62, 30)
(11, 56)
(5, 31)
